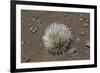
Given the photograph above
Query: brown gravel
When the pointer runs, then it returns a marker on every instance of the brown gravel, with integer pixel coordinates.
(33, 43)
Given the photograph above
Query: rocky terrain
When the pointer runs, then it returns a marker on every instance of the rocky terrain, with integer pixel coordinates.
(33, 25)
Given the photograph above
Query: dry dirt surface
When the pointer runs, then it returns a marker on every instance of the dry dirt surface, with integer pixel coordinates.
(33, 25)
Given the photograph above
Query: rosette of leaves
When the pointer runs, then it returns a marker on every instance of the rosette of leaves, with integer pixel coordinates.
(57, 38)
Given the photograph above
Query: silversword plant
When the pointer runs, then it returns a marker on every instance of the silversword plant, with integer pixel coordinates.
(57, 38)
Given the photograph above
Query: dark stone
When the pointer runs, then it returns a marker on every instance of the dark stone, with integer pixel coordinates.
(88, 44)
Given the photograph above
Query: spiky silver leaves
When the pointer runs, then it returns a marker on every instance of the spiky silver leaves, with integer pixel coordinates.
(57, 38)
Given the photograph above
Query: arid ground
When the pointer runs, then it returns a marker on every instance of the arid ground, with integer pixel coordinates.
(33, 25)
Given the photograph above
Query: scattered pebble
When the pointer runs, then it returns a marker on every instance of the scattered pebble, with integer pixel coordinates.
(86, 20)
(81, 15)
(27, 59)
(80, 19)
(34, 30)
(31, 28)
(86, 25)
(33, 19)
(70, 28)
(77, 39)
(72, 51)
(82, 33)
(88, 44)
(22, 43)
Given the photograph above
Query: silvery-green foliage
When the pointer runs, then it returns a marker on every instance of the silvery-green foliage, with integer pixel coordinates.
(56, 36)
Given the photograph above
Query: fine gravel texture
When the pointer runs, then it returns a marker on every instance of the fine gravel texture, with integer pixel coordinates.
(33, 25)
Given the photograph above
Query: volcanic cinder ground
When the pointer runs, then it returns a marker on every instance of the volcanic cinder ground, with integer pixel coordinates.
(33, 25)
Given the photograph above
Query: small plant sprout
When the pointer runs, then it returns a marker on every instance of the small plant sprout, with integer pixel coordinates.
(57, 38)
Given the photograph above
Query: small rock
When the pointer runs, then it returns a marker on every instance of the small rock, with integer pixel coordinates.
(86, 24)
(31, 28)
(77, 39)
(35, 29)
(86, 20)
(82, 33)
(27, 59)
(33, 19)
(80, 19)
(88, 44)
(72, 51)
(81, 15)
(22, 43)
(70, 28)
